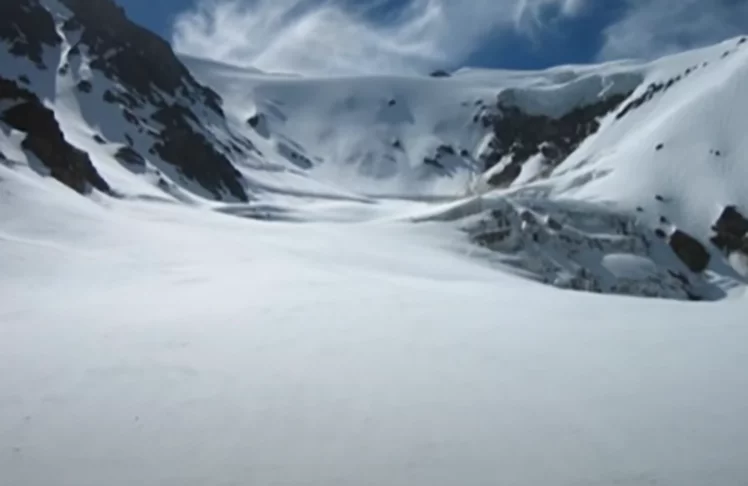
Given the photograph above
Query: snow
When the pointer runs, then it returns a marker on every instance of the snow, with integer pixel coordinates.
(341, 328)
(160, 344)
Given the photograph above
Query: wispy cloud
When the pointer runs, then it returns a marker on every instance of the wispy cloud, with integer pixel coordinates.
(344, 37)
(652, 28)
(328, 37)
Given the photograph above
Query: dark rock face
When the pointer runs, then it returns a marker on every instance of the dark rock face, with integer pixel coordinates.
(730, 231)
(37, 26)
(179, 142)
(44, 139)
(136, 57)
(85, 86)
(128, 156)
(519, 136)
(690, 251)
(506, 176)
(656, 88)
(446, 158)
(147, 68)
(440, 73)
(147, 78)
(254, 120)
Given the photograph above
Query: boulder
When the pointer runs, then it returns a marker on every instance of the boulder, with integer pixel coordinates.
(689, 250)
(730, 230)
(731, 221)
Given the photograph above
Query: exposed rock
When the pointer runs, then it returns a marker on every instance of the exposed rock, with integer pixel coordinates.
(731, 221)
(128, 156)
(439, 74)
(31, 19)
(659, 146)
(132, 55)
(85, 86)
(254, 120)
(45, 140)
(146, 78)
(652, 90)
(433, 163)
(518, 135)
(195, 157)
(506, 176)
(730, 230)
(445, 150)
(554, 224)
(689, 250)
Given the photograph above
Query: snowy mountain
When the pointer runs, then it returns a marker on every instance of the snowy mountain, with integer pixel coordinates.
(119, 93)
(612, 155)
(216, 275)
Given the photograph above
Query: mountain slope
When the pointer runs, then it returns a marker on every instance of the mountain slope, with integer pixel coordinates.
(118, 91)
(136, 337)
(632, 163)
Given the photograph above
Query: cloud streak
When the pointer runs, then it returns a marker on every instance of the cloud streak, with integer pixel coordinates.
(341, 37)
(324, 37)
(653, 28)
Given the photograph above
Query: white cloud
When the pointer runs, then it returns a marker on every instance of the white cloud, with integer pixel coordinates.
(652, 28)
(335, 37)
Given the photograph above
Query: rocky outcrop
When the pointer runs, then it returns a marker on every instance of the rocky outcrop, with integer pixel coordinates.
(517, 135)
(129, 157)
(730, 231)
(45, 140)
(28, 28)
(145, 82)
(179, 141)
(439, 73)
(133, 56)
(689, 250)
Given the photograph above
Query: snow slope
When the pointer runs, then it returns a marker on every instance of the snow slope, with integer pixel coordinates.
(374, 134)
(378, 312)
(159, 344)
(667, 158)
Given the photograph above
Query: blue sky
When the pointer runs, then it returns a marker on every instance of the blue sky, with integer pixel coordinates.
(346, 36)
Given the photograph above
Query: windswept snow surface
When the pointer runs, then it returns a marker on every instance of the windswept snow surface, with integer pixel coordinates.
(346, 331)
(156, 344)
